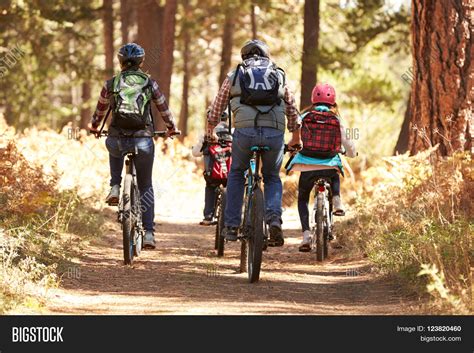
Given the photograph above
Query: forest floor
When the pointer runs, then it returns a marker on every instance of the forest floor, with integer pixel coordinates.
(184, 276)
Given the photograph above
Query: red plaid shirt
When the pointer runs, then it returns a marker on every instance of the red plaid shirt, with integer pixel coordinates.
(222, 99)
(157, 97)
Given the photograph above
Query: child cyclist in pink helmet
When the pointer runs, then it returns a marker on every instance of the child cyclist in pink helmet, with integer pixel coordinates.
(323, 135)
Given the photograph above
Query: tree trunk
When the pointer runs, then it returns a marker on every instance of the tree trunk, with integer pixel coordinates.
(441, 105)
(150, 38)
(402, 142)
(254, 20)
(184, 113)
(227, 43)
(108, 18)
(85, 110)
(125, 19)
(310, 51)
(164, 55)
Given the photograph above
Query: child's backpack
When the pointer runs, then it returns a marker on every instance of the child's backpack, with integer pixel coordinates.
(259, 84)
(321, 134)
(132, 95)
(218, 160)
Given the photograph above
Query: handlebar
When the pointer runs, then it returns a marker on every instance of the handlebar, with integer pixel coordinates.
(163, 134)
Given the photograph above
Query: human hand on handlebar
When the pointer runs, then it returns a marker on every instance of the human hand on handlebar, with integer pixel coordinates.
(171, 133)
(295, 142)
(93, 129)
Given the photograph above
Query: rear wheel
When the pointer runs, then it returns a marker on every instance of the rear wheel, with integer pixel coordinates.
(137, 216)
(127, 221)
(217, 207)
(319, 227)
(220, 225)
(255, 239)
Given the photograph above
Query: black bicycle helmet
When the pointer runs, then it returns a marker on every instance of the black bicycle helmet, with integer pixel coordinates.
(254, 47)
(131, 54)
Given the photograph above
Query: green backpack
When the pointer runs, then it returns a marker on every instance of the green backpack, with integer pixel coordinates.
(132, 93)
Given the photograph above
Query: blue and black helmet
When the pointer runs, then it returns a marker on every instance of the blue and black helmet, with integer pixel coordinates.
(254, 47)
(131, 54)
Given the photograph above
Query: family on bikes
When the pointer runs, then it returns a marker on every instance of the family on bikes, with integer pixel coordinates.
(250, 113)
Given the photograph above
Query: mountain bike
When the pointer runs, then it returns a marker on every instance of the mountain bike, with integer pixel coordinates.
(253, 232)
(129, 213)
(322, 217)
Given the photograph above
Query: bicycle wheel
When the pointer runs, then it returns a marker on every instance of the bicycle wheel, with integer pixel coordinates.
(319, 218)
(255, 240)
(220, 224)
(127, 221)
(137, 216)
(327, 223)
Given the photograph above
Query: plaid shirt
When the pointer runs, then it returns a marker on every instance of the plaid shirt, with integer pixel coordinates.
(222, 99)
(157, 97)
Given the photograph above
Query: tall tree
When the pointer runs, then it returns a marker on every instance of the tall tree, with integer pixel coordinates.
(227, 41)
(310, 50)
(166, 58)
(150, 38)
(108, 19)
(186, 36)
(125, 17)
(253, 19)
(443, 55)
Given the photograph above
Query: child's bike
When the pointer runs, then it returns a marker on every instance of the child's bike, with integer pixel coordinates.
(323, 219)
(129, 213)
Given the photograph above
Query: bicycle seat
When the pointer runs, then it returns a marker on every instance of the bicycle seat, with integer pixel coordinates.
(259, 148)
(130, 151)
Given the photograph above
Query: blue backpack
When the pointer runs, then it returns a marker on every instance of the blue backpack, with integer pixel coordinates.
(259, 83)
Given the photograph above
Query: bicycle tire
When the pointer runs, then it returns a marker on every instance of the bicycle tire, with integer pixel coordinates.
(127, 221)
(220, 224)
(217, 212)
(137, 214)
(326, 237)
(255, 240)
(319, 227)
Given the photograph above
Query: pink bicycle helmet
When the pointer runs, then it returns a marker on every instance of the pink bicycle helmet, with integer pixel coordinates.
(323, 93)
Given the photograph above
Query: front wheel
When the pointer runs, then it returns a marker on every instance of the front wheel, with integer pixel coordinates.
(127, 221)
(257, 233)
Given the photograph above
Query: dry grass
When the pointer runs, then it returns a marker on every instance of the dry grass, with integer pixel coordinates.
(51, 199)
(414, 218)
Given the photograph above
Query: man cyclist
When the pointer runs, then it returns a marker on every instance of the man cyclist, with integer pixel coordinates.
(129, 95)
(259, 100)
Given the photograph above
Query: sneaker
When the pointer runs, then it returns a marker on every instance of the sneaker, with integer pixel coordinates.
(114, 195)
(276, 233)
(206, 222)
(338, 209)
(231, 233)
(305, 245)
(149, 241)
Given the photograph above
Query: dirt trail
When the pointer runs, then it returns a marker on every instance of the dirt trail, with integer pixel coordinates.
(184, 276)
